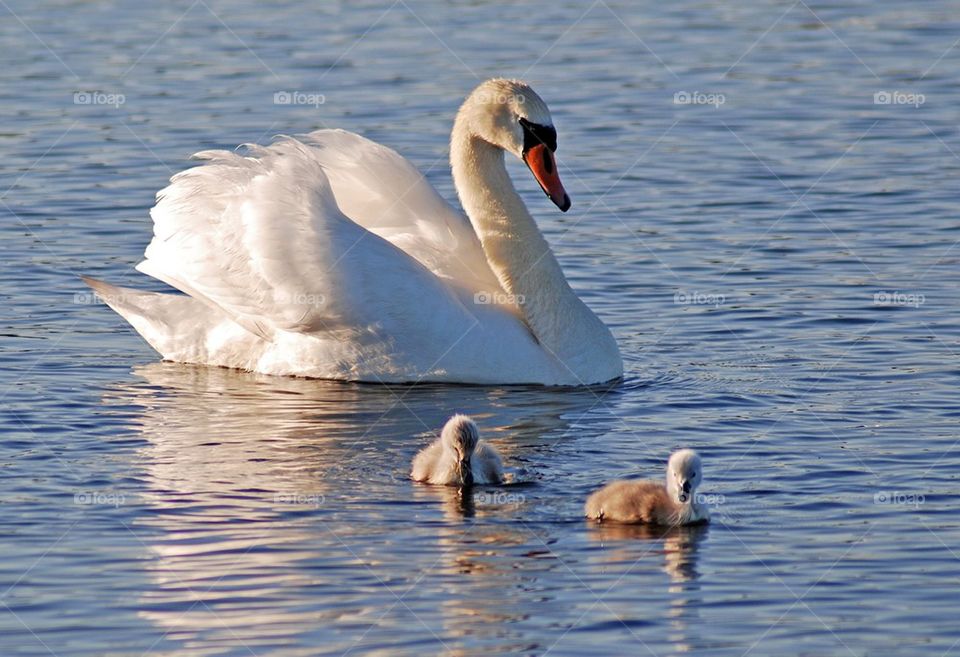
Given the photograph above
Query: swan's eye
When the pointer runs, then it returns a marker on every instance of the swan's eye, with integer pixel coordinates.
(535, 134)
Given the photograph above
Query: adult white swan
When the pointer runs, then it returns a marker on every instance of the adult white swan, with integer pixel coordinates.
(330, 256)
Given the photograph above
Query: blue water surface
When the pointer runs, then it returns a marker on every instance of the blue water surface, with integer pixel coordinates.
(764, 210)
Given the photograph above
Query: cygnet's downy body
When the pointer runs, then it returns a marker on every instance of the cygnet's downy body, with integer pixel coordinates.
(671, 503)
(458, 458)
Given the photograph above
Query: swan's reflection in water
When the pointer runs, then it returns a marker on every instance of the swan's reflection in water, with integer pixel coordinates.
(676, 548)
(280, 515)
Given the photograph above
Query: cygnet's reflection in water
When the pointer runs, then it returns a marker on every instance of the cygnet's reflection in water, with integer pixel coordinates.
(627, 547)
(280, 511)
(497, 574)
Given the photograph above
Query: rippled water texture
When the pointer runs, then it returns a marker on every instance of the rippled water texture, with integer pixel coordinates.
(779, 267)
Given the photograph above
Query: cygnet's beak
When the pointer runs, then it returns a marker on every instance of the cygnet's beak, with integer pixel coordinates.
(543, 165)
(684, 494)
(465, 470)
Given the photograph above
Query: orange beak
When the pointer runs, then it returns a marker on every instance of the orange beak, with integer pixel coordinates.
(544, 168)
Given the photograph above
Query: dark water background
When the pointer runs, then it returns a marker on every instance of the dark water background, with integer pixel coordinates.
(780, 270)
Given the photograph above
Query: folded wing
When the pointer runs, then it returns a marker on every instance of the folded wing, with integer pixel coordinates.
(262, 237)
(382, 191)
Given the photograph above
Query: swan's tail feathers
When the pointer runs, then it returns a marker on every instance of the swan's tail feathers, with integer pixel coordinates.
(173, 324)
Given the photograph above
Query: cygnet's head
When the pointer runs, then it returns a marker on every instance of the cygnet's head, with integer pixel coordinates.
(510, 115)
(460, 437)
(683, 475)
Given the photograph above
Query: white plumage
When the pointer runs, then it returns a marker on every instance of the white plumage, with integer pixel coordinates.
(328, 255)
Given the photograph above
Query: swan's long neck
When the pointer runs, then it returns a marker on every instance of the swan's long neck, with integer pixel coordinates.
(519, 254)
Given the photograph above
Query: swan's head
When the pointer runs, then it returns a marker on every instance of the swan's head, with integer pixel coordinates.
(459, 437)
(683, 475)
(510, 115)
